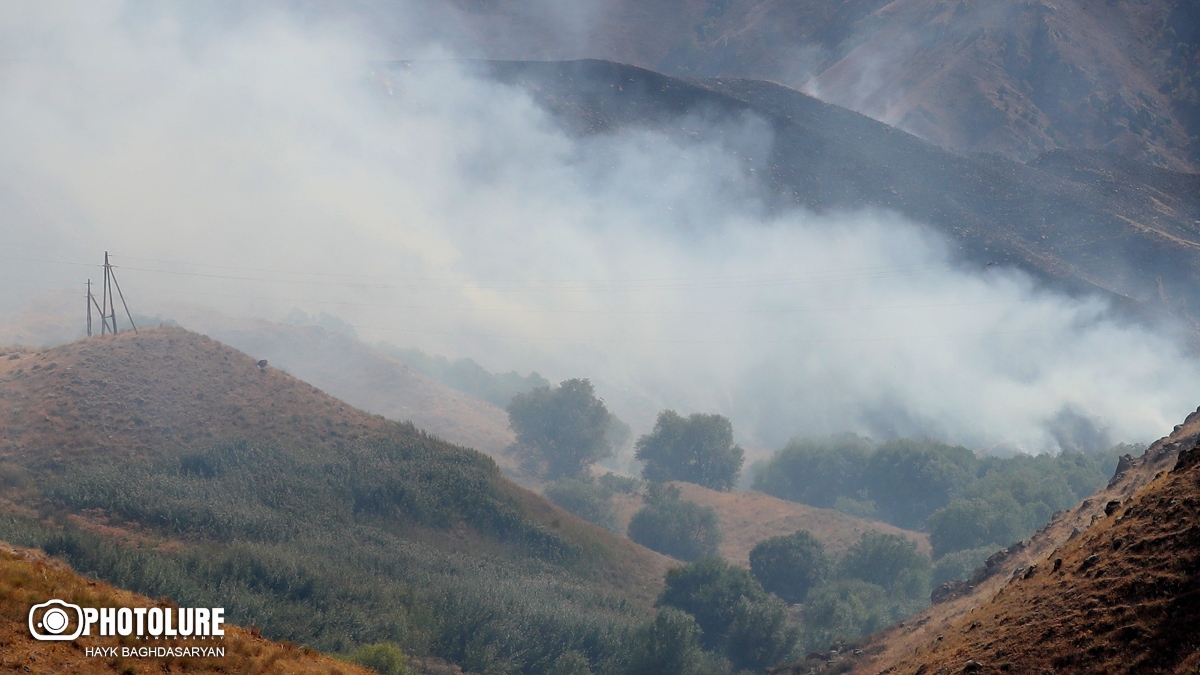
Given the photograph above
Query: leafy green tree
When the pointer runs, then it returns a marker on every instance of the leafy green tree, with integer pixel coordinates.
(890, 561)
(566, 426)
(585, 499)
(790, 565)
(817, 471)
(675, 527)
(910, 479)
(844, 609)
(710, 589)
(761, 634)
(697, 449)
(669, 644)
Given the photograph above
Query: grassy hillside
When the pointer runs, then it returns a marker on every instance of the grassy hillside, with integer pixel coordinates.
(28, 577)
(173, 465)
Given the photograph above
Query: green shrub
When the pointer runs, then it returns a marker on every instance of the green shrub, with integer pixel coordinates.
(587, 500)
(761, 635)
(668, 644)
(960, 564)
(790, 565)
(624, 484)
(710, 590)
(843, 610)
(677, 528)
(383, 658)
(890, 561)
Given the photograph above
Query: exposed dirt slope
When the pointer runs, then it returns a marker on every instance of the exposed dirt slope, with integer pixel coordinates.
(897, 643)
(28, 577)
(748, 517)
(1122, 597)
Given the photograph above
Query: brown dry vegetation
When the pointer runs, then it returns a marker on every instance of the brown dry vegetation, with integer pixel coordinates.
(28, 577)
(748, 517)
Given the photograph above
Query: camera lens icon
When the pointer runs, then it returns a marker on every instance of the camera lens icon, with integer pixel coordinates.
(55, 621)
(50, 620)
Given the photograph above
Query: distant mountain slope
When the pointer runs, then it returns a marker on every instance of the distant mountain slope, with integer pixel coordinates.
(1011, 77)
(1024, 78)
(174, 465)
(1079, 233)
(29, 577)
(1119, 598)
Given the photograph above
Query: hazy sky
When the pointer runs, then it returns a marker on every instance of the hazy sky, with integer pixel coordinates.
(254, 164)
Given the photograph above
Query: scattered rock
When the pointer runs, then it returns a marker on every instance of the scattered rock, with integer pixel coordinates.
(1112, 506)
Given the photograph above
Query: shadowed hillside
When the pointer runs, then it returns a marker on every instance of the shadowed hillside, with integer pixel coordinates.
(1014, 78)
(171, 464)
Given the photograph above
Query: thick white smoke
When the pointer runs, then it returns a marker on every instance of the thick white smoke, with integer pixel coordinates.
(256, 165)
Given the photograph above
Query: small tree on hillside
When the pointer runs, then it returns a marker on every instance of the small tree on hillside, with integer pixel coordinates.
(565, 426)
(790, 565)
(675, 527)
(697, 449)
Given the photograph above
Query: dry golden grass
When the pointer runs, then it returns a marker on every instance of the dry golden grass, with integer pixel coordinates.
(28, 577)
(748, 517)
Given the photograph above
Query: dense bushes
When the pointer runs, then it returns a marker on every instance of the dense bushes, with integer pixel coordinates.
(343, 547)
(675, 527)
(587, 499)
(736, 617)
(966, 502)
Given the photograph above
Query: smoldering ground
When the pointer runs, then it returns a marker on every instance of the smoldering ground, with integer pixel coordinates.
(256, 164)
